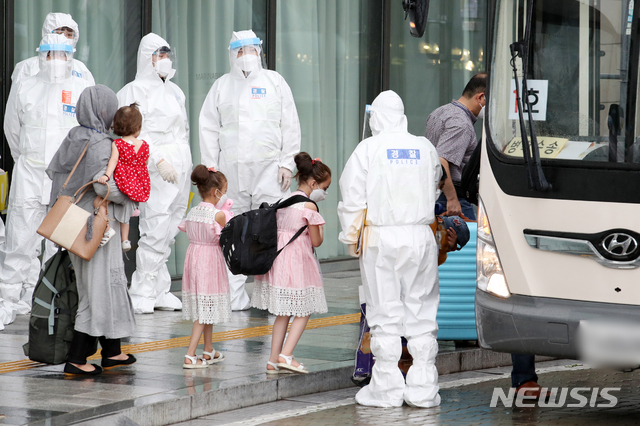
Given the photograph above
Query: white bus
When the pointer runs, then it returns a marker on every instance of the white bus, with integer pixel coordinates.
(558, 236)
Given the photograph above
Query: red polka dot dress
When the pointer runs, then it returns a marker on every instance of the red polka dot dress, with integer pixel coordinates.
(131, 174)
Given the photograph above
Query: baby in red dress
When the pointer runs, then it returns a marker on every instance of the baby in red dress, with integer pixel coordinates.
(128, 168)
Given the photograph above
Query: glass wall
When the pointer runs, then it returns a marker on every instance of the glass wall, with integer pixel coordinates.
(430, 71)
(199, 31)
(318, 50)
(109, 33)
(330, 52)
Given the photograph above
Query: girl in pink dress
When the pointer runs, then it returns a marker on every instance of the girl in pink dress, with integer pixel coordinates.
(205, 285)
(293, 286)
(128, 168)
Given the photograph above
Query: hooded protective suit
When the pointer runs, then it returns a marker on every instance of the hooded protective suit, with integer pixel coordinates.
(31, 66)
(249, 130)
(40, 112)
(165, 128)
(394, 176)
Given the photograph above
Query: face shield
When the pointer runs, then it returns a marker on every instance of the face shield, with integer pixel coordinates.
(162, 60)
(366, 127)
(56, 58)
(246, 55)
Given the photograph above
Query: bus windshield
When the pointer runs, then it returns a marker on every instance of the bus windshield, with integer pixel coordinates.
(582, 81)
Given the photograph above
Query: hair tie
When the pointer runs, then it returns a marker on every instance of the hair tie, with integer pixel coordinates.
(212, 169)
(317, 159)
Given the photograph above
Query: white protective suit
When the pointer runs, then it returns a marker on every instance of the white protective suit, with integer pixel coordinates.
(31, 66)
(165, 128)
(249, 130)
(394, 175)
(40, 112)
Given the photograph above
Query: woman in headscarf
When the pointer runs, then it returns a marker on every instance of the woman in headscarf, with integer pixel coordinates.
(105, 312)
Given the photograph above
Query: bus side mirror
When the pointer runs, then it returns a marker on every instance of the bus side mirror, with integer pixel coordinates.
(417, 11)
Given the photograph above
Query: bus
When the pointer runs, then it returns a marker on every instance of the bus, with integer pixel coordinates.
(558, 252)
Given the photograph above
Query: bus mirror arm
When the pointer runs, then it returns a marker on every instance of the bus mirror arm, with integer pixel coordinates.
(530, 153)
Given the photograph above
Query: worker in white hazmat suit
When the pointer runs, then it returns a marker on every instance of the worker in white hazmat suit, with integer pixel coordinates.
(165, 128)
(40, 112)
(54, 23)
(391, 179)
(249, 130)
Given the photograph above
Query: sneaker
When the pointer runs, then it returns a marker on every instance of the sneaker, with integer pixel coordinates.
(107, 236)
(126, 246)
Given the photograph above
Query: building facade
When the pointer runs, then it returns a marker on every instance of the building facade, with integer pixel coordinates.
(336, 55)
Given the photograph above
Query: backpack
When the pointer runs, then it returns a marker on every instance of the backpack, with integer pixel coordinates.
(250, 241)
(53, 311)
(470, 174)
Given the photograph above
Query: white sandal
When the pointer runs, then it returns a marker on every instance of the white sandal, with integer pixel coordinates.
(276, 370)
(194, 362)
(212, 358)
(287, 366)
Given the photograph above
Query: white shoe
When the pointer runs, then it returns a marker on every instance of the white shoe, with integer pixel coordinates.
(126, 246)
(107, 236)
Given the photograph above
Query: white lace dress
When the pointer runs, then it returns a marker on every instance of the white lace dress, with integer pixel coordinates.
(205, 285)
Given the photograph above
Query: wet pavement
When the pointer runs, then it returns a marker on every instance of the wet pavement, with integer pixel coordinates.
(157, 390)
(466, 399)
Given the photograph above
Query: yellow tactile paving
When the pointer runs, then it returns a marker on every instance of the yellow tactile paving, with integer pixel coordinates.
(183, 342)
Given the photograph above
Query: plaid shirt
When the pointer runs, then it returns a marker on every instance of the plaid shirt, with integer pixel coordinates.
(450, 130)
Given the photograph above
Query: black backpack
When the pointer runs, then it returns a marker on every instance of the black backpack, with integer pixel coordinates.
(250, 241)
(53, 311)
(470, 173)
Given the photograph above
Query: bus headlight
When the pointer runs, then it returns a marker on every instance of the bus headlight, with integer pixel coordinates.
(490, 277)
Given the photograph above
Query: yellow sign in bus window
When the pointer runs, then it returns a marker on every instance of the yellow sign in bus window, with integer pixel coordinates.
(549, 147)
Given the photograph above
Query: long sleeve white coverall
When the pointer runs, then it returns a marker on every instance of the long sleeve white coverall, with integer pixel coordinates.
(394, 176)
(165, 128)
(31, 66)
(249, 129)
(40, 112)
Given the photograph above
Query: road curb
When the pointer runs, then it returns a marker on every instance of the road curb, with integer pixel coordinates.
(179, 406)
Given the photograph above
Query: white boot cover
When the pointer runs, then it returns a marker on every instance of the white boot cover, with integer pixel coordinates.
(422, 378)
(387, 383)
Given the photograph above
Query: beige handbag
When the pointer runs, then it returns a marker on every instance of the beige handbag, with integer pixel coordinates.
(66, 224)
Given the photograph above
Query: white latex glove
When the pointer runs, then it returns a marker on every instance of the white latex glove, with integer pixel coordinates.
(167, 172)
(352, 251)
(284, 178)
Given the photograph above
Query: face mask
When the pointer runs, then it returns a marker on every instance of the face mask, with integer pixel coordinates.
(221, 201)
(57, 68)
(481, 113)
(249, 62)
(164, 67)
(318, 195)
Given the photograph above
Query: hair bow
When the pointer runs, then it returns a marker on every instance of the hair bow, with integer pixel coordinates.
(212, 169)
(314, 161)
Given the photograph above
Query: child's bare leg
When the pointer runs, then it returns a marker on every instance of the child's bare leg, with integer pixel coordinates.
(295, 332)
(208, 340)
(195, 339)
(124, 230)
(277, 338)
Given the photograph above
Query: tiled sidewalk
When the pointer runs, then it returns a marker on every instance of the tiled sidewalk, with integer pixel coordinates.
(157, 390)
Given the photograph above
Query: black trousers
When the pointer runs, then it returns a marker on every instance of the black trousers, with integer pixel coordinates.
(83, 346)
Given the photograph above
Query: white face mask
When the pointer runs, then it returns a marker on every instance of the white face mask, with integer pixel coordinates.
(249, 62)
(481, 113)
(57, 68)
(164, 67)
(318, 195)
(221, 201)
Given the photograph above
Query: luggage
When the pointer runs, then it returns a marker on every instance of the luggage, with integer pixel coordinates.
(250, 241)
(53, 312)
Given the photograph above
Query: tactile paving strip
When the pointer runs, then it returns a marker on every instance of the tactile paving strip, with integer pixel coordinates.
(183, 342)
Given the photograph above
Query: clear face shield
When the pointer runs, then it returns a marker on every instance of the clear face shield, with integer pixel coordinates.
(56, 61)
(246, 55)
(366, 126)
(163, 62)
